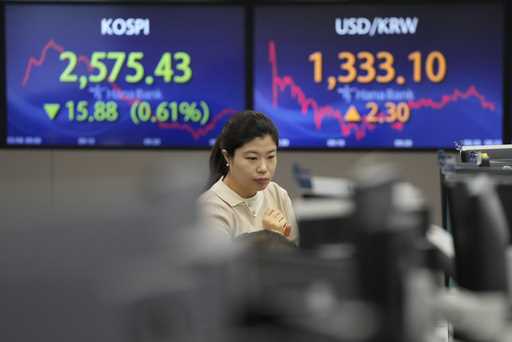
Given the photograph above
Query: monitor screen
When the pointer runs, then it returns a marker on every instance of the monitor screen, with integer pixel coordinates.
(108, 75)
(380, 76)
(480, 236)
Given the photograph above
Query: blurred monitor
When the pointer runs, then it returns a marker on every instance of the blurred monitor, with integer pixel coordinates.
(478, 223)
(501, 178)
(323, 222)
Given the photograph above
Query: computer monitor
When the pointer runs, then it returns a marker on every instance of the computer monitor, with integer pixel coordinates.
(480, 233)
(118, 75)
(380, 76)
(324, 222)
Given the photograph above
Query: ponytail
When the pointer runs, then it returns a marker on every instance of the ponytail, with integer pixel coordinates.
(218, 167)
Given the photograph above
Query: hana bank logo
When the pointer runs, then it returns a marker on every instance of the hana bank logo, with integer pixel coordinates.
(378, 25)
(124, 27)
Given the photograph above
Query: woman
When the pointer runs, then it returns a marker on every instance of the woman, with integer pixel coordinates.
(242, 197)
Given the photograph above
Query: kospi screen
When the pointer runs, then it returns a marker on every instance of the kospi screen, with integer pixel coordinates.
(111, 75)
(380, 76)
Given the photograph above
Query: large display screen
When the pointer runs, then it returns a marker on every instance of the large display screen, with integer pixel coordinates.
(381, 76)
(122, 75)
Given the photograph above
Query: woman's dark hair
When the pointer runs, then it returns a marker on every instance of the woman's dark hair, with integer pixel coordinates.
(240, 129)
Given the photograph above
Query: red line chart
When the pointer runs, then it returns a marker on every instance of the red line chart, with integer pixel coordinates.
(283, 83)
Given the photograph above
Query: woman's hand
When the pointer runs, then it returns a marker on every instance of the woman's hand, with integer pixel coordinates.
(274, 220)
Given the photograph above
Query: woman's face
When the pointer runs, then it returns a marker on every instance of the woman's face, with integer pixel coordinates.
(252, 166)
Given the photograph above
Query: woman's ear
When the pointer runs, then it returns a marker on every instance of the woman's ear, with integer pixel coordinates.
(226, 156)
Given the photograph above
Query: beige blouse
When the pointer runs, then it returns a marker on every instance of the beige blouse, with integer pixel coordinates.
(223, 209)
